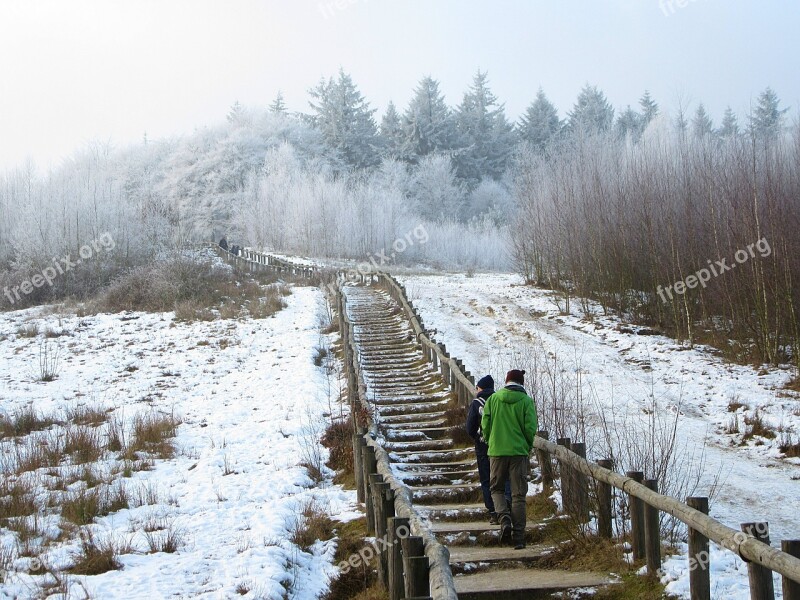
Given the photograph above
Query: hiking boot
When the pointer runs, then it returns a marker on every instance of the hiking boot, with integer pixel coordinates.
(519, 543)
(505, 531)
(493, 520)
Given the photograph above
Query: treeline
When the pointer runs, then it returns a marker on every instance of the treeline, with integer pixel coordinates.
(600, 203)
(688, 228)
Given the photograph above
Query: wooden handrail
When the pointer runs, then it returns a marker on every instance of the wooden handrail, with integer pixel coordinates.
(746, 546)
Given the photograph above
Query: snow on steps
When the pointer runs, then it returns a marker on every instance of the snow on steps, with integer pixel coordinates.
(410, 399)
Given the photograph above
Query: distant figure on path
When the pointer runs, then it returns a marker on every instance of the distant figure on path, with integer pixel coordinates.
(509, 425)
(223, 243)
(485, 389)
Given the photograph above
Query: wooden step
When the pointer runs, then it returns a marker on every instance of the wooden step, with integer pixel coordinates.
(497, 554)
(527, 584)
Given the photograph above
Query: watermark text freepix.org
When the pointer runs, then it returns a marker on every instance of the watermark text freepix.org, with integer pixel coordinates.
(364, 556)
(715, 269)
(59, 267)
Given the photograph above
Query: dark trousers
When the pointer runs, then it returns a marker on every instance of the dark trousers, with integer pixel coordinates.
(514, 469)
(484, 472)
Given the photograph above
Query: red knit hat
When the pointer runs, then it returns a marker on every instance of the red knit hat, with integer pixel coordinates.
(515, 376)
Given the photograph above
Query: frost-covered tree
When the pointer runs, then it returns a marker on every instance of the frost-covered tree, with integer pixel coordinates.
(278, 106)
(490, 199)
(730, 124)
(345, 119)
(428, 122)
(702, 125)
(237, 115)
(592, 112)
(486, 136)
(540, 123)
(435, 191)
(392, 132)
(629, 123)
(767, 117)
(649, 109)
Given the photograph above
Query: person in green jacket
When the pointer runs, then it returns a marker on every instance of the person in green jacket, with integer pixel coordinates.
(509, 425)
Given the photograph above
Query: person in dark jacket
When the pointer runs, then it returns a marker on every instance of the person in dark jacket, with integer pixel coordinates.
(485, 389)
(223, 243)
(509, 425)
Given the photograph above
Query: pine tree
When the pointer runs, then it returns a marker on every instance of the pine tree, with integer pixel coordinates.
(592, 111)
(730, 124)
(486, 136)
(278, 106)
(540, 123)
(767, 119)
(629, 123)
(345, 120)
(392, 132)
(649, 109)
(428, 122)
(237, 114)
(702, 125)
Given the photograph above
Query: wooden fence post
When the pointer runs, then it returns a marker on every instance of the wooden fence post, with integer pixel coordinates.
(761, 585)
(699, 574)
(370, 466)
(399, 528)
(652, 532)
(545, 464)
(580, 490)
(791, 589)
(566, 479)
(415, 567)
(358, 451)
(605, 526)
(387, 513)
(380, 488)
(637, 518)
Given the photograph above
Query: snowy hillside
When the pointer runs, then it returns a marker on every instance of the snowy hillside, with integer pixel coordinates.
(250, 404)
(493, 322)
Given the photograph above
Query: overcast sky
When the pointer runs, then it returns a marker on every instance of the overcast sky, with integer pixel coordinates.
(72, 71)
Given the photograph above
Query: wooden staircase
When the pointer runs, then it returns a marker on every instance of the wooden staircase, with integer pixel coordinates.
(409, 401)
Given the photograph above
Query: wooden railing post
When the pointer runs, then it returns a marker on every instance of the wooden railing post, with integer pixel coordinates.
(605, 528)
(358, 451)
(652, 533)
(370, 464)
(399, 528)
(545, 463)
(637, 518)
(379, 489)
(565, 473)
(415, 567)
(761, 585)
(791, 589)
(699, 574)
(580, 490)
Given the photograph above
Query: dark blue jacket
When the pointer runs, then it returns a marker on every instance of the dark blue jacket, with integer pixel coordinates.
(474, 419)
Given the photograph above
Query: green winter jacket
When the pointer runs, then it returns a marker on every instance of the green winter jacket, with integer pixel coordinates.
(509, 422)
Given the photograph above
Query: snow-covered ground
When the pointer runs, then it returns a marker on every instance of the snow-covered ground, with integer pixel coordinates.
(489, 320)
(249, 398)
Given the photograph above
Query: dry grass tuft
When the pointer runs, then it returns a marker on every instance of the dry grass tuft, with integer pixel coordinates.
(756, 427)
(82, 444)
(86, 415)
(151, 435)
(17, 499)
(24, 421)
(98, 556)
(312, 524)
